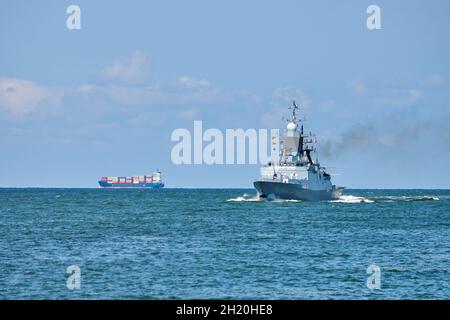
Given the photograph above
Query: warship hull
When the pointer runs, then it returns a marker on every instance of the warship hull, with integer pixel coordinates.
(291, 191)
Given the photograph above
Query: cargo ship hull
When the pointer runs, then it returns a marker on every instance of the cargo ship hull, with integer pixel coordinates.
(104, 184)
(152, 181)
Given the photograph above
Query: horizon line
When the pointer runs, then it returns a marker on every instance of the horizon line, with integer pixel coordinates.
(202, 188)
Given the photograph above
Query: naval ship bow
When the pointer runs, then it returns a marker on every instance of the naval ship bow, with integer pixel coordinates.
(296, 175)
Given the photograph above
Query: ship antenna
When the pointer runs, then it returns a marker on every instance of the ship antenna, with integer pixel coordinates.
(294, 110)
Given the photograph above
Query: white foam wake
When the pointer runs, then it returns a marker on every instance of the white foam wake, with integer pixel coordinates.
(245, 198)
(255, 198)
(410, 198)
(271, 197)
(352, 199)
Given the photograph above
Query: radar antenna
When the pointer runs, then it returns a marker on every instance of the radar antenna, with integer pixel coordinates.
(294, 109)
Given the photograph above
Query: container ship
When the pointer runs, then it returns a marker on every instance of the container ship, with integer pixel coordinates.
(147, 181)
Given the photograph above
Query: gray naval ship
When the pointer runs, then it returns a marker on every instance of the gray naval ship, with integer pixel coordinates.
(296, 175)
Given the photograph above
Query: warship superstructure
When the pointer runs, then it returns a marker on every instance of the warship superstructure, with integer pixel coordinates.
(295, 175)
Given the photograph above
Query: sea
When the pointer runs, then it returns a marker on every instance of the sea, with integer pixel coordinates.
(222, 244)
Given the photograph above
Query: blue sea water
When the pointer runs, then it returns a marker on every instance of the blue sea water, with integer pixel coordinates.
(205, 243)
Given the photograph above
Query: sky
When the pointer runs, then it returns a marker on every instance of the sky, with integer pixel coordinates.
(103, 100)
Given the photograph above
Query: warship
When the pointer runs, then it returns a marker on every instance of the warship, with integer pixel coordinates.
(295, 175)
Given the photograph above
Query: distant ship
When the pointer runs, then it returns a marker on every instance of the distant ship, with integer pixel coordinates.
(147, 181)
(295, 175)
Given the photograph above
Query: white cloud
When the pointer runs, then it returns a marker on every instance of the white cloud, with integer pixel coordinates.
(388, 139)
(357, 87)
(131, 69)
(273, 118)
(281, 99)
(20, 97)
(190, 82)
(85, 89)
(288, 94)
(327, 105)
(187, 115)
(407, 99)
(435, 79)
(131, 96)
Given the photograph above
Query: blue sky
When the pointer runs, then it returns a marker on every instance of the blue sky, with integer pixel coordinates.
(79, 104)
